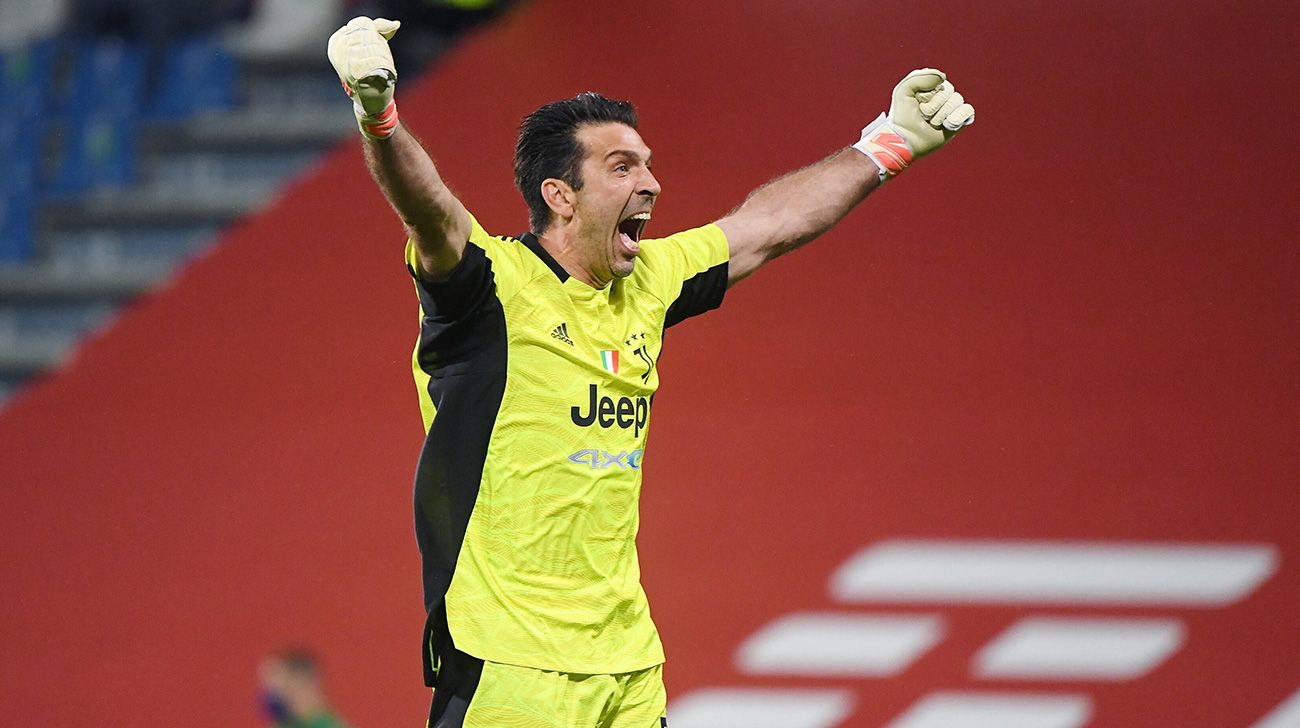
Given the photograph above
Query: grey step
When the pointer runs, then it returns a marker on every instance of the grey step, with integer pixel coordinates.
(22, 319)
(153, 208)
(281, 62)
(315, 85)
(278, 60)
(48, 283)
(27, 355)
(206, 170)
(254, 130)
(126, 245)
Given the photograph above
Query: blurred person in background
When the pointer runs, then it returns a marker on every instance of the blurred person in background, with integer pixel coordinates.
(292, 695)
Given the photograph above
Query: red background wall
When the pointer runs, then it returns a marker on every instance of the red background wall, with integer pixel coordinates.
(1077, 321)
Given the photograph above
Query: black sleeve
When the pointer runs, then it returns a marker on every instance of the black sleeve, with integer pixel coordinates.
(701, 292)
(462, 316)
(466, 290)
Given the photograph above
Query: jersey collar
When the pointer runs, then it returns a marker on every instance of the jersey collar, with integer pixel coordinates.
(531, 242)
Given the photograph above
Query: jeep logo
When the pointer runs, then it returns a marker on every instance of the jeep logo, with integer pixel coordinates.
(623, 412)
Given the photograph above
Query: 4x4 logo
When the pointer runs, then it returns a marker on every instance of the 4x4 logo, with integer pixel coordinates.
(601, 459)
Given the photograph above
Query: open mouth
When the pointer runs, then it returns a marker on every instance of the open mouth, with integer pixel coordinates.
(630, 230)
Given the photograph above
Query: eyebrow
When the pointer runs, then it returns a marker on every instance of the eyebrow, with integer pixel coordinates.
(629, 153)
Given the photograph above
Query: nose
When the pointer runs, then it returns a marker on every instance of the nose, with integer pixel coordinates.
(649, 186)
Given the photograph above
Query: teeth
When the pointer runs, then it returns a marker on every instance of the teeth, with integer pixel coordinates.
(640, 216)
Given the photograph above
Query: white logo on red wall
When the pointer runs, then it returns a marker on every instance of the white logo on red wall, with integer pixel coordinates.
(1042, 648)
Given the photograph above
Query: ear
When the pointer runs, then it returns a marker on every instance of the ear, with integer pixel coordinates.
(559, 196)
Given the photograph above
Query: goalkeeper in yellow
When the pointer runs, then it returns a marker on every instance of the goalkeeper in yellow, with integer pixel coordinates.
(535, 365)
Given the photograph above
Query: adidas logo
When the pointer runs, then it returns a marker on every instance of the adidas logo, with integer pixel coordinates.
(561, 332)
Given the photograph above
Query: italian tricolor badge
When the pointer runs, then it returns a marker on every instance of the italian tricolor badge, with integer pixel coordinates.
(609, 360)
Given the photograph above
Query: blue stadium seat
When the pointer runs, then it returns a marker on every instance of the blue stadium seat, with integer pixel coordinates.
(198, 75)
(97, 151)
(94, 125)
(16, 235)
(21, 153)
(108, 78)
(29, 74)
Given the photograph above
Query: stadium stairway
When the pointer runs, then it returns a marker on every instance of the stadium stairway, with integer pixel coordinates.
(93, 252)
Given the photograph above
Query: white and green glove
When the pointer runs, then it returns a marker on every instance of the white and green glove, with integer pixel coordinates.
(925, 112)
(360, 55)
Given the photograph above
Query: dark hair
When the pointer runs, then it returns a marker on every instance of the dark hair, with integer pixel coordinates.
(548, 146)
(299, 660)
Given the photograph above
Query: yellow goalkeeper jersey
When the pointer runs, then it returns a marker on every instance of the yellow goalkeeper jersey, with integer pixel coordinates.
(535, 390)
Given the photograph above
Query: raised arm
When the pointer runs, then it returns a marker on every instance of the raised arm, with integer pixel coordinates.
(436, 221)
(792, 210)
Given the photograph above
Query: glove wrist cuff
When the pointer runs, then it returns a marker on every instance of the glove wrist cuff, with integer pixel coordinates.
(885, 147)
(377, 126)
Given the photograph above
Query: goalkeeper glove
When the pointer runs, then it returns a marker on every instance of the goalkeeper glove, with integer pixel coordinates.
(925, 112)
(360, 55)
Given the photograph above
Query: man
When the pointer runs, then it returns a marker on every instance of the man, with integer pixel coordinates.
(292, 696)
(535, 366)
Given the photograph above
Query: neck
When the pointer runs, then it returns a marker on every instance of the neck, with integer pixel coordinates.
(562, 241)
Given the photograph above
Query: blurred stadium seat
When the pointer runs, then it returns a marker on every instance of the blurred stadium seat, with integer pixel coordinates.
(21, 152)
(27, 73)
(15, 226)
(108, 76)
(97, 151)
(198, 76)
(126, 151)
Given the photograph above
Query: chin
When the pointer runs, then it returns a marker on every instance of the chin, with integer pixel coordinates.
(623, 270)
